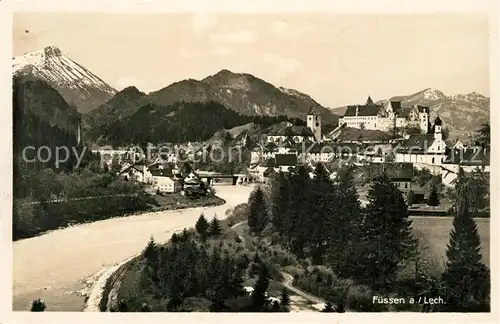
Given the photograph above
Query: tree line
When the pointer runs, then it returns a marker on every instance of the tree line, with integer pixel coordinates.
(180, 123)
(321, 219)
(194, 272)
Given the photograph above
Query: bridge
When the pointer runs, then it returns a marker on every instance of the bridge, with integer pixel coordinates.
(212, 177)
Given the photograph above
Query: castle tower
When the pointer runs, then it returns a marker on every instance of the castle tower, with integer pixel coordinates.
(314, 122)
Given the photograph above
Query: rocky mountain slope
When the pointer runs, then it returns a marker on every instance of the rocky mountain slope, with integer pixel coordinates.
(32, 96)
(243, 93)
(121, 105)
(462, 114)
(77, 85)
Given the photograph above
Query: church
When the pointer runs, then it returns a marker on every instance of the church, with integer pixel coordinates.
(424, 150)
(385, 116)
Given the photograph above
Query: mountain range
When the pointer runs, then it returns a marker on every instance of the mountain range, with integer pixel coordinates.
(241, 92)
(99, 105)
(462, 114)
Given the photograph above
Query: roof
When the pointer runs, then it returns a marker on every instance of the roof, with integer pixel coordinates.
(362, 110)
(469, 156)
(438, 121)
(417, 143)
(292, 131)
(404, 112)
(422, 109)
(394, 171)
(396, 105)
(161, 173)
(268, 163)
(270, 147)
(356, 134)
(314, 111)
(285, 159)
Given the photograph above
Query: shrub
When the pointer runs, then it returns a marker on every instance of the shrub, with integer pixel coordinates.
(38, 305)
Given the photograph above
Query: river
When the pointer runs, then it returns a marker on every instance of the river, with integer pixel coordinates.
(53, 266)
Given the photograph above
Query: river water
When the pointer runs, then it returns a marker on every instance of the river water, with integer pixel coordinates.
(53, 266)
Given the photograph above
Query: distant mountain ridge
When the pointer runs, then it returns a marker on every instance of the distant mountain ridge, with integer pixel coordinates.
(462, 114)
(77, 85)
(241, 92)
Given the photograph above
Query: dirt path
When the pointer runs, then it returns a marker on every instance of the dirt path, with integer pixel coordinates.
(56, 265)
(288, 279)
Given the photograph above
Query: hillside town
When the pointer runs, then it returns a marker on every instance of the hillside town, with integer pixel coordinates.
(325, 172)
(371, 137)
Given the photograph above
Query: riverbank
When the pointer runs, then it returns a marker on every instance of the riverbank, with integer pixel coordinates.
(56, 266)
(116, 207)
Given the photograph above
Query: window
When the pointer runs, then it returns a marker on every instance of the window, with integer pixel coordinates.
(406, 185)
(432, 160)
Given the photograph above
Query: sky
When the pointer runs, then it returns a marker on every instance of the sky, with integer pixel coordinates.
(337, 59)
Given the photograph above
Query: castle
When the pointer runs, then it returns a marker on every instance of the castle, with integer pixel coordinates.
(386, 116)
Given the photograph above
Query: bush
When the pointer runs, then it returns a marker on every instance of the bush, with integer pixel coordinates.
(38, 305)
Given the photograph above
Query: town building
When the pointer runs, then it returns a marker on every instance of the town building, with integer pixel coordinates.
(400, 174)
(164, 182)
(424, 150)
(386, 116)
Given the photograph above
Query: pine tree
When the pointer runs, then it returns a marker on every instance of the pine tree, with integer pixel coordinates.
(215, 227)
(386, 238)
(258, 216)
(285, 298)
(38, 305)
(410, 198)
(344, 226)
(321, 212)
(259, 298)
(185, 235)
(466, 278)
(202, 226)
(280, 202)
(175, 238)
(433, 196)
(150, 253)
(299, 221)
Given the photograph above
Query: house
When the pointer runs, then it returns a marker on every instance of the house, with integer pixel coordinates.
(262, 170)
(469, 159)
(192, 182)
(137, 172)
(400, 174)
(378, 153)
(164, 182)
(424, 150)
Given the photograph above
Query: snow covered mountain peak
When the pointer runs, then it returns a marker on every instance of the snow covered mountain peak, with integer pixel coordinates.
(51, 65)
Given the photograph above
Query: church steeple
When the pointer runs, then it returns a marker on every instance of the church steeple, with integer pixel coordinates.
(369, 101)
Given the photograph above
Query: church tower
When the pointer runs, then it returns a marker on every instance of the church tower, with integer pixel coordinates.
(314, 122)
(437, 128)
